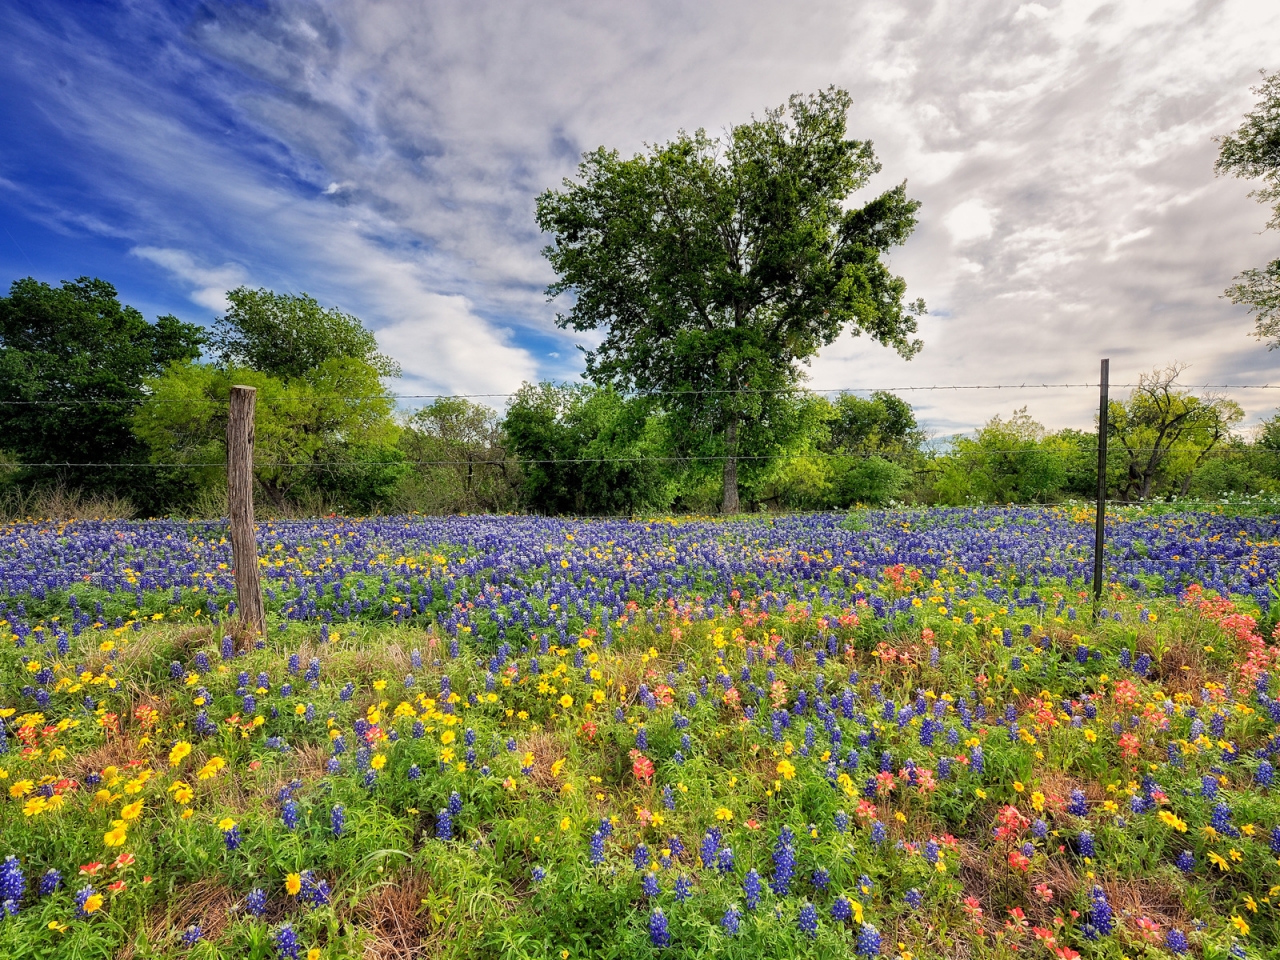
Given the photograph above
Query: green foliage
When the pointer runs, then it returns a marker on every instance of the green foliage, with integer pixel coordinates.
(1253, 151)
(459, 460)
(718, 267)
(326, 435)
(1007, 461)
(587, 450)
(1166, 433)
(287, 335)
(73, 361)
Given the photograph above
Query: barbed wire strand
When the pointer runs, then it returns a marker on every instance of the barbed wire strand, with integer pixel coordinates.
(652, 393)
(923, 456)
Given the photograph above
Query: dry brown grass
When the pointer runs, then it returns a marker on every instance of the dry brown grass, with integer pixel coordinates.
(1182, 669)
(206, 902)
(399, 926)
(546, 748)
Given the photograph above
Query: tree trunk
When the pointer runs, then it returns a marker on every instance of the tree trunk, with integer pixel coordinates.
(730, 504)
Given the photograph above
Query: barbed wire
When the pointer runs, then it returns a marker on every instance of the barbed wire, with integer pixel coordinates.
(924, 456)
(147, 398)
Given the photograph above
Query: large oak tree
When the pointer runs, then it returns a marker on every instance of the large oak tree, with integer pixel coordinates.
(718, 267)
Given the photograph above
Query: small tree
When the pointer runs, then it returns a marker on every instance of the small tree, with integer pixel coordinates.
(1253, 151)
(1166, 433)
(459, 459)
(719, 267)
(587, 450)
(1008, 461)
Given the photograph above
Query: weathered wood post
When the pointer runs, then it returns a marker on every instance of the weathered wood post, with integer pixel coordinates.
(244, 543)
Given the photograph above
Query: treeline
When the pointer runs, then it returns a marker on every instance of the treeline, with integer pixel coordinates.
(97, 400)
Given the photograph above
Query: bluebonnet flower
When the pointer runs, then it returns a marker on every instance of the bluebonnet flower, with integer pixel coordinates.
(659, 936)
(868, 941)
(455, 803)
(337, 819)
(12, 884)
(1265, 775)
(730, 921)
(821, 878)
(1101, 920)
(808, 919)
(649, 885)
(710, 843)
(784, 862)
(256, 902)
(82, 897)
(1078, 807)
(231, 837)
(315, 893)
(50, 882)
(841, 910)
(878, 833)
(538, 875)
(289, 814)
(1176, 941)
(640, 857)
(414, 772)
(191, 936)
(914, 898)
(724, 860)
(596, 854)
(751, 888)
(1086, 845)
(444, 824)
(1185, 861)
(684, 888)
(286, 943)
(841, 821)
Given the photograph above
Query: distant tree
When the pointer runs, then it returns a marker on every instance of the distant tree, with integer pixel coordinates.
(328, 435)
(1253, 151)
(587, 450)
(719, 267)
(1008, 461)
(323, 423)
(459, 461)
(1166, 433)
(874, 443)
(287, 334)
(73, 362)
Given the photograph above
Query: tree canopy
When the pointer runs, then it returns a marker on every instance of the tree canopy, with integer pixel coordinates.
(1253, 152)
(717, 267)
(73, 361)
(286, 334)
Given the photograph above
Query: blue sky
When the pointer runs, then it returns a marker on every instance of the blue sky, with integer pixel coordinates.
(384, 157)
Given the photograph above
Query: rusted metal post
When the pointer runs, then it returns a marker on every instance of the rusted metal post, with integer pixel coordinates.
(244, 542)
(1099, 528)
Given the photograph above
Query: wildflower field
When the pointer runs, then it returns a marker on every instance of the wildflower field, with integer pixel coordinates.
(888, 733)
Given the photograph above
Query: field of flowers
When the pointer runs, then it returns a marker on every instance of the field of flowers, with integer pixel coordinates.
(891, 733)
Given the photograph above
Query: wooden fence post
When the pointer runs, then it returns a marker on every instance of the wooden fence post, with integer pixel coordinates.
(244, 543)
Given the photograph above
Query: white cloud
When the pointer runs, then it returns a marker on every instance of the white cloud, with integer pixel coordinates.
(971, 220)
(388, 155)
(210, 284)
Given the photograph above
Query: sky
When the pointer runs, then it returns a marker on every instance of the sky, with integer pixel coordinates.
(385, 156)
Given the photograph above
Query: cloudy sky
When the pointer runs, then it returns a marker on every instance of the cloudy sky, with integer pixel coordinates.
(384, 156)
